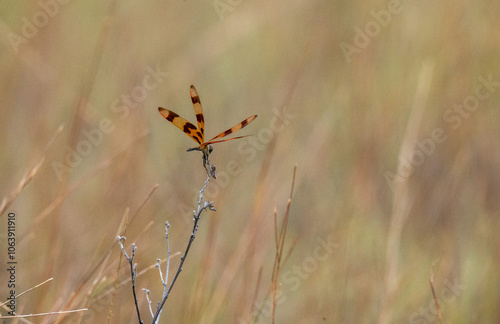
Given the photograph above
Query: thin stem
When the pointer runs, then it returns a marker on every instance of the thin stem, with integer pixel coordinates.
(196, 219)
(133, 271)
(167, 225)
(149, 300)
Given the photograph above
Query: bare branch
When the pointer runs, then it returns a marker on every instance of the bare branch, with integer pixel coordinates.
(133, 272)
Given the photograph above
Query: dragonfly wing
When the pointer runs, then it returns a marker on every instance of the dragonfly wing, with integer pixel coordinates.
(225, 140)
(185, 126)
(234, 129)
(198, 110)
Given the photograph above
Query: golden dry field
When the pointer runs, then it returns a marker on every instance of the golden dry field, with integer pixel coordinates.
(388, 109)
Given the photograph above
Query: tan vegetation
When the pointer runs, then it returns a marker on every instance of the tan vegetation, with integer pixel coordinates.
(389, 109)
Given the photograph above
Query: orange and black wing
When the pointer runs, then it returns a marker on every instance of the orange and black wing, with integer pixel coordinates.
(198, 111)
(183, 124)
(232, 130)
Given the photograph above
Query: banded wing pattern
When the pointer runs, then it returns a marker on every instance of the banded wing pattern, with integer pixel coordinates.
(185, 126)
(233, 129)
(198, 133)
(195, 99)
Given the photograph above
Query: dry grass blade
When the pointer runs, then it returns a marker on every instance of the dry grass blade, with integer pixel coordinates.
(402, 200)
(431, 282)
(36, 286)
(278, 260)
(256, 293)
(280, 239)
(142, 205)
(45, 314)
(6, 202)
(24, 292)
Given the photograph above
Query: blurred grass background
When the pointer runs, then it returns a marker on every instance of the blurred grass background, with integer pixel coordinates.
(344, 119)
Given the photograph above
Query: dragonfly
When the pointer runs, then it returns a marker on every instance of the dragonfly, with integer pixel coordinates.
(198, 133)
